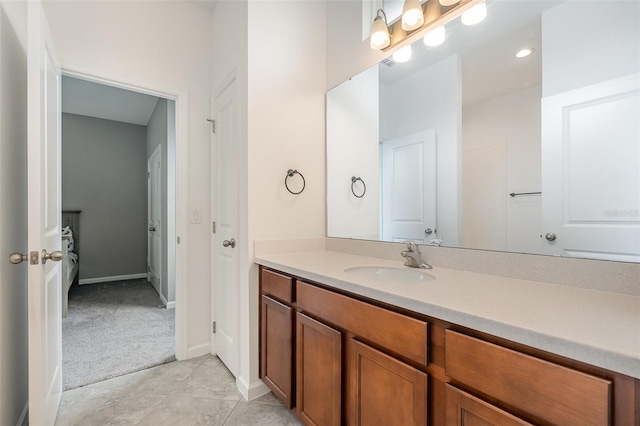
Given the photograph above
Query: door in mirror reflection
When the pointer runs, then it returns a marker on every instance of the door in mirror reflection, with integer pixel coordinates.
(409, 188)
(590, 145)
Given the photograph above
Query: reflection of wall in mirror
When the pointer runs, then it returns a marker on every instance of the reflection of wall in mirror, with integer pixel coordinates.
(352, 150)
(500, 155)
(430, 99)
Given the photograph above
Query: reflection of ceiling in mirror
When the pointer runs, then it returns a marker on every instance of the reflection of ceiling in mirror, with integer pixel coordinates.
(487, 50)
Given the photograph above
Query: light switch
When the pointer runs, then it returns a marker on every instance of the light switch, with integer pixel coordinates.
(195, 216)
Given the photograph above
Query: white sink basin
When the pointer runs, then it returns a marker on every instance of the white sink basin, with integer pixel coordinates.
(390, 273)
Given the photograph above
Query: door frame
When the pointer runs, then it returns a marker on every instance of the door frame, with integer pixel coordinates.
(176, 192)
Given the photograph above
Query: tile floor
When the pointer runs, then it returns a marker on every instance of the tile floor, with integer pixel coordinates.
(199, 391)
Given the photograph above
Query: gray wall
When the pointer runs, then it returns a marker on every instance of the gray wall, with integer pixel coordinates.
(104, 174)
(13, 212)
(157, 135)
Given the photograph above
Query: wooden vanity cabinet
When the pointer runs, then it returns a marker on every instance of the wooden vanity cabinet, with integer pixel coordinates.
(381, 387)
(277, 334)
(383, 390)
(464, 409)
(318, 372)
(544, 391)
(343, 359)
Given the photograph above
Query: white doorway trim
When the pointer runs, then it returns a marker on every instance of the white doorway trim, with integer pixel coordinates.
(177, 191)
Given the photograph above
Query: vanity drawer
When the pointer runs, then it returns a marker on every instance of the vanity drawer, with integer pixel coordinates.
(398, 333)
(549, 392)
(277, 285)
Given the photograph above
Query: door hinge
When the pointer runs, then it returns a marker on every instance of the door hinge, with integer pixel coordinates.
(178, 240)
(213, 227)
(213, 327)
(213, 124)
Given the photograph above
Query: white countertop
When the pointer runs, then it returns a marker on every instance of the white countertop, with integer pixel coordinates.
(595, 327)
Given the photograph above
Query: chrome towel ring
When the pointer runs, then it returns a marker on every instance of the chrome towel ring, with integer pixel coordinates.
(290, 173)
(353, 182)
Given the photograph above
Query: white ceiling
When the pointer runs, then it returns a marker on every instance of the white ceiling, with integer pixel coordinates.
(82, 97)
(487, 51)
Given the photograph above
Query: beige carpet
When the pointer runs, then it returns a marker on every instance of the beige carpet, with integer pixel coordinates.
(113, 329)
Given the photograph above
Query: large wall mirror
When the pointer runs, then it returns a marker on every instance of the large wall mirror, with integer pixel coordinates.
(476, 144)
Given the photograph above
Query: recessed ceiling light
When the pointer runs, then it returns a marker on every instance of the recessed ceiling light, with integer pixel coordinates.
(402, 55)
(524, 53)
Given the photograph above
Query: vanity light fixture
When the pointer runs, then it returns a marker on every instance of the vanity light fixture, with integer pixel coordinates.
(380, 37)
(435, 37)
(524, 53)
(419, 19)
(412, 15)
(475, 15)
(403, 54)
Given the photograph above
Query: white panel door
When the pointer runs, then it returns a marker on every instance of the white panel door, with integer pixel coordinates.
(225, 208)
(154, 223)
(591, 171)
(409, 188)
(44, 220)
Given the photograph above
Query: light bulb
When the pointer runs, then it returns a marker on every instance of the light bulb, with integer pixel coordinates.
(475, 15)
(412, 15)
(402, 55)
(435, 37)
(379, 34)
(449, 2)
(524, 53)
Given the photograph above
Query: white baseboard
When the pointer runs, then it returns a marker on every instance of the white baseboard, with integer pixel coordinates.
(23, 416)
(168, 305)
(114, 278)
(199, 350)
(252, 391)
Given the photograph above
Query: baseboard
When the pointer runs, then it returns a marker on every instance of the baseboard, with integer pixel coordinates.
(114, 278)
(23, 416)
(252, 391)
(199, 350)
(168, 305)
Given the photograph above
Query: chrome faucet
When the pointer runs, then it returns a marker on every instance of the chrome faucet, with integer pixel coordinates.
(413, 256)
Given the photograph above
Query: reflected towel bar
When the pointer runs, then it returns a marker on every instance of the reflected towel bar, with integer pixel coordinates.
(515, 194)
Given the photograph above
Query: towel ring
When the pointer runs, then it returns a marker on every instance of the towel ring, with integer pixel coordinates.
(290, 173)
(353, 182)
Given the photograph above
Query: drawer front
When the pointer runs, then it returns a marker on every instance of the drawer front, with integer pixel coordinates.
(398, 333)
(277, 285)
(548, 392)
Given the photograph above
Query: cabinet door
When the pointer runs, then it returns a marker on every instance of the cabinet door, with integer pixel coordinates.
(276, 329)
(383, 390)
(319, 372)
(466, 410)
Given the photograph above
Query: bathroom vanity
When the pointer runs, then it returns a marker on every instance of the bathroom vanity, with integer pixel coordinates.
(442, 347)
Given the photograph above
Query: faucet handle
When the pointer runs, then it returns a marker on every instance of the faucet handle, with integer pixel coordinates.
(412, 246)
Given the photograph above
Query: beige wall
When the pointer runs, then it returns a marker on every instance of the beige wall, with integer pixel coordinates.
(286, 86)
